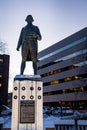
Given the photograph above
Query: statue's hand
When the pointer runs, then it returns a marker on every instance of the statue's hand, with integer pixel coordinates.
(17, 49)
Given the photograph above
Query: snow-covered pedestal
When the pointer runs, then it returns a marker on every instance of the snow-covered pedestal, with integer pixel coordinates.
(27, 105)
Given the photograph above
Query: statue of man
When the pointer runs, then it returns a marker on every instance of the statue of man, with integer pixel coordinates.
(28, 40)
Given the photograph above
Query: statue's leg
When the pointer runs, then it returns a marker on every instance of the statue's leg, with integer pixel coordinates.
(23, 64)
(35, 68)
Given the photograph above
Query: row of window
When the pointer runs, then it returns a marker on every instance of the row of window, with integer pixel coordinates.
(1, 61)
(65, 91)
(64, 48)
(78, 53)
(64, 69)
(80, 105)
(58, 71)
(0, 80)
(76, 77)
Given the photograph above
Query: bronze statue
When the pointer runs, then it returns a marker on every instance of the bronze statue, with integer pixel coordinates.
(28, 40)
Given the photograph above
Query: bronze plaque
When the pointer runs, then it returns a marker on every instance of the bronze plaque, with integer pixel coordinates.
(27, 111)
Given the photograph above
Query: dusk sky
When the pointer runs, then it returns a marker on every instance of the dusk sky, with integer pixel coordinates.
(56, 19)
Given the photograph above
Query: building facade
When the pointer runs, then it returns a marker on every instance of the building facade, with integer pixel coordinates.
(63, 67)
(4, 75)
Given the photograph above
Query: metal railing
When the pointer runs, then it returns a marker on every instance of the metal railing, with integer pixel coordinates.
(71, 125)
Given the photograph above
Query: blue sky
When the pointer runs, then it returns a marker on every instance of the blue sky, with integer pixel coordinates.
(56, 20)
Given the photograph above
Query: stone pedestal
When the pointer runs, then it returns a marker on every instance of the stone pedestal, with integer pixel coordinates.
(27, 105)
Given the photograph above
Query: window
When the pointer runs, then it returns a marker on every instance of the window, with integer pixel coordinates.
(0, 76)
(67, 79)
(76, 77)
(0, 85)
(1, 60)
(54, 82)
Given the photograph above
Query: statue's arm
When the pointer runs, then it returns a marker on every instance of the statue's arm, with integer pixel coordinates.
(19, 41)
(39, 37)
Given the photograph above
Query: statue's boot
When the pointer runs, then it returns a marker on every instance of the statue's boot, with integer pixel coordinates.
(22, 67)
(35, 68)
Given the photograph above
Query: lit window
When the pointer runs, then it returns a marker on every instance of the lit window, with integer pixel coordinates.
(0, 85)
(56, 71)
(72, 67)
(81, 89)
(49, 93)
(76, 77)
(1, 60)
(75, 89)
(64, 91)
(67, 79)
(50, 73)
(54, 82)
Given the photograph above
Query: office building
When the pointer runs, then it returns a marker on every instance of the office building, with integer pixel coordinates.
(63, 67)
(4, 75)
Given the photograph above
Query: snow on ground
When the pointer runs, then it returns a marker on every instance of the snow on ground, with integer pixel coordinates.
(7, 121)
(48, 122)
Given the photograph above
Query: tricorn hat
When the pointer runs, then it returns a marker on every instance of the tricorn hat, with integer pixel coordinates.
(29, 19)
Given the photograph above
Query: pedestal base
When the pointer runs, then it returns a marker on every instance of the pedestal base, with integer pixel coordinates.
(27, 106)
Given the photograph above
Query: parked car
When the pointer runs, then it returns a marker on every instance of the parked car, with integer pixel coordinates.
(67, 111)
(6, 111)
(56, 111)
(47, 110)
(64, 111)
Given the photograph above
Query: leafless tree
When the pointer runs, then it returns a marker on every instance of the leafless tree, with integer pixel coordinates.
(3, 47)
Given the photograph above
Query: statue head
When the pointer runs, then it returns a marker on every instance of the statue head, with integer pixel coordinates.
(29, 19)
